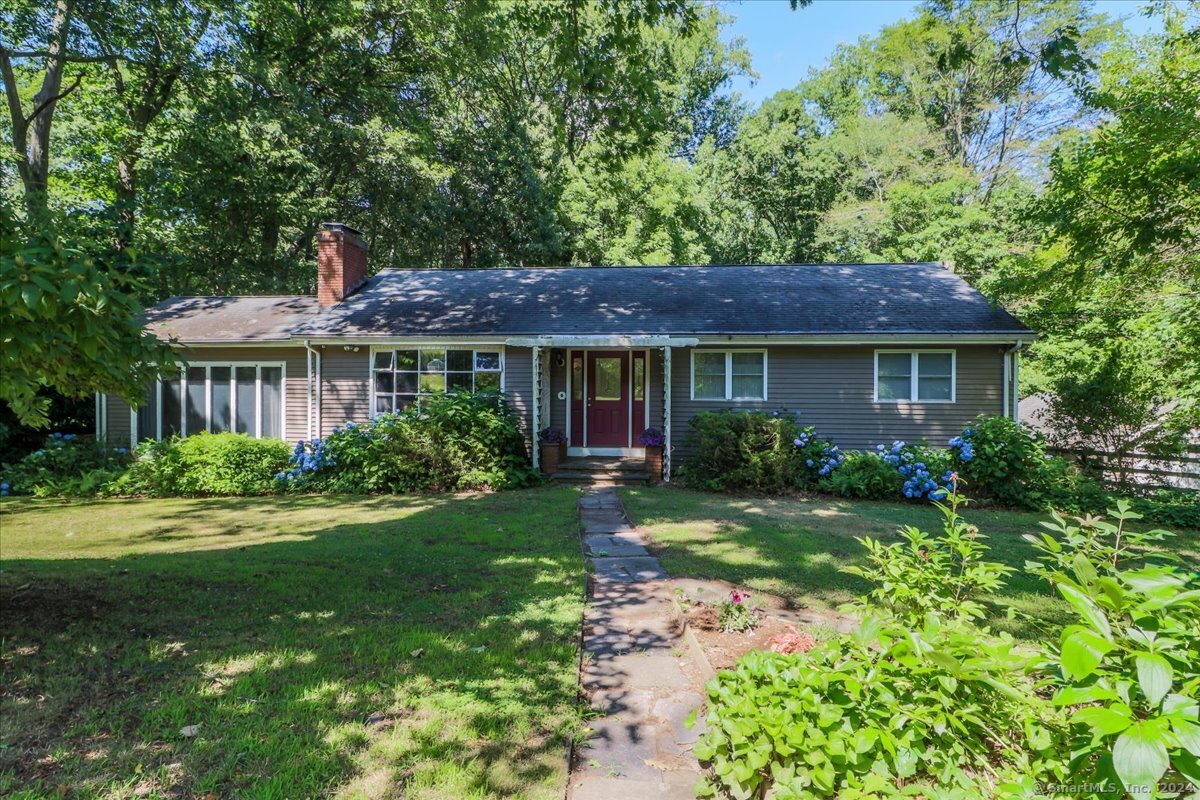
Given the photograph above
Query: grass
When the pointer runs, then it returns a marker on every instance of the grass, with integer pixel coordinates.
(325, 646)
(795, 547)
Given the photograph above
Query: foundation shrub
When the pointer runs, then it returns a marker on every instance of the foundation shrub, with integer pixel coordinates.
(458, 441)
(756, 451)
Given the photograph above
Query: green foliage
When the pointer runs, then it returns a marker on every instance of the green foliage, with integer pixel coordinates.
(759, 451)
(453, 441)
(66, 465)
(1115, 292)
(887, 711)
(920, 701)
(1175, 508)
(864, 475)
(944, 575)
(1115, 402)
(999, 459)
(207, 464)
(70, 323)
(1129, 668)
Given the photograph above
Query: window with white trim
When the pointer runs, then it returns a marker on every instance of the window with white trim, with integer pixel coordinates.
(237, 397)
(729, 375)
(914, 376)
(401, 377)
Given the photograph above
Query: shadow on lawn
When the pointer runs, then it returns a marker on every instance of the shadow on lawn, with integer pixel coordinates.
(796, 548)
(422, 650)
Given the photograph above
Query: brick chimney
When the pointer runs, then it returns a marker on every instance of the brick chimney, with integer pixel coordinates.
(341, 263)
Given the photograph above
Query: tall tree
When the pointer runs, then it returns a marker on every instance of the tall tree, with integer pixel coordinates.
(30, 130)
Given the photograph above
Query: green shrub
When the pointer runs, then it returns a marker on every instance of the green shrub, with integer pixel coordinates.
(458, 441)
(66, 465)
(758, 451)
(1001, 460)
(864, 475)
(921, 701)
(1177, 508)
(887, 711)
(1130, 666)
(207, 464)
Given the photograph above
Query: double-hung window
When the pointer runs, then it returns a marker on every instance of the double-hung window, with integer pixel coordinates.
(236, 397)
(401, 377)
(729, 375)
(914, 376)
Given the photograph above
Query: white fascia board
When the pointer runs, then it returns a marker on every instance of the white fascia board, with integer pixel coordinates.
(882, 339)
(634, 341)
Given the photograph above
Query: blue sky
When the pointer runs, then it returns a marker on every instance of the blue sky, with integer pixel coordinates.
(784, 44)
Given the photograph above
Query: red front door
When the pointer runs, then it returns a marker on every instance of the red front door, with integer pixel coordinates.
(607, 398)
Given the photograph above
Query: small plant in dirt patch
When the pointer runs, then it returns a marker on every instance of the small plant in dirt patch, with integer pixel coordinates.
(791, 641)
(734, 614)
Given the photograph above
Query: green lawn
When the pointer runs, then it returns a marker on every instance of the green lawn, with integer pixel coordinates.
(325, 646)
(795, 547)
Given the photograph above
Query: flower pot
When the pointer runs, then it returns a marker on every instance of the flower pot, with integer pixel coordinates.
(552, 456)
(654, 464)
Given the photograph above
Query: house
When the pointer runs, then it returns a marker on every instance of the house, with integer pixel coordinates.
(868, 353)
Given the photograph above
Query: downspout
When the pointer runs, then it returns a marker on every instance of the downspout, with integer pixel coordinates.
(1016, 358)
(1010, 389)
(312, 357)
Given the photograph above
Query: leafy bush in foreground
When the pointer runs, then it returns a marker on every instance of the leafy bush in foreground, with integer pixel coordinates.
(1130, 666)
(921, 701)
(880, 712)
(450, 442)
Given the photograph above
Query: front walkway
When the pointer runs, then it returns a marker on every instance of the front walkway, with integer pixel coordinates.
(637, 673)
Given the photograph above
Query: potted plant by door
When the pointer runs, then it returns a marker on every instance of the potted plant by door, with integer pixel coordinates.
(652, 440)
(554, 449)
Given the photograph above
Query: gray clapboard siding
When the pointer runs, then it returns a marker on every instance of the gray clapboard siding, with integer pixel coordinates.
(345, 386)
(833, 389)
(518, 383)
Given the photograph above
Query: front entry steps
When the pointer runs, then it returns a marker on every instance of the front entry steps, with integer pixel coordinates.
(603, 471)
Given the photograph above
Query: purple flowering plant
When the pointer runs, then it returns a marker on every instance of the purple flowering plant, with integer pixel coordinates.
(552, 436)
(651, 437)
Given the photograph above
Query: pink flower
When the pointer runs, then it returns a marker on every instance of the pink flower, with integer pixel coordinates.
(738, 597)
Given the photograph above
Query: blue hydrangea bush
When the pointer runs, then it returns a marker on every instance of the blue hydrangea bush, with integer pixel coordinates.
(66, 465)
(927, 473)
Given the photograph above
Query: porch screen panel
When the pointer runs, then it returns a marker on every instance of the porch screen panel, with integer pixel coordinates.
(272, 402)
(147, 415)
(197, 390)
(222, 399)
(172, 407)
(247, 399)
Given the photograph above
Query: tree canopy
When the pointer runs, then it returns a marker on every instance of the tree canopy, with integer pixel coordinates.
(1036, 148)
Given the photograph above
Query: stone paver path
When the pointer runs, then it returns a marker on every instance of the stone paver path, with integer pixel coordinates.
(637, 672)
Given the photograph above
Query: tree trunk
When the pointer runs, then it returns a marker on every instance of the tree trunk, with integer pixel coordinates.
(31, 134)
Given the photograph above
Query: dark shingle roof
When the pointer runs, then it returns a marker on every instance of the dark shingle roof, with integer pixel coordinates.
(777, 299)
(230, 319)
(801, 299)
